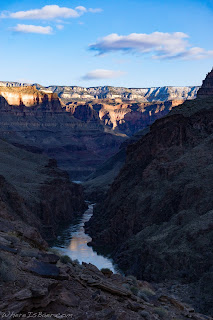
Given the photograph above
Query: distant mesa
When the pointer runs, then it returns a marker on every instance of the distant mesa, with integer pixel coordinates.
(207, 87)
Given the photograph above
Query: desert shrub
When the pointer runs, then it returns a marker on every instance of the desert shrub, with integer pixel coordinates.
(65, 259)
(148, 292)
(106, 271)
(76, 262)
(134, 290)
(143, 296)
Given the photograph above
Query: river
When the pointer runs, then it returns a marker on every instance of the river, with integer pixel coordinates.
(73, 242)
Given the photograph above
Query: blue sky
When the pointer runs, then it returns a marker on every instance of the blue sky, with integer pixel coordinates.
(131, 43)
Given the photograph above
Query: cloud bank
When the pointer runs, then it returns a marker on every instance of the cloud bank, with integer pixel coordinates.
(23, 28)
(49, 12)
(157, 44)
(102, 74)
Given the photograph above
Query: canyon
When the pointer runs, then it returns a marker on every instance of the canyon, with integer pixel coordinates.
(36, 192)
(37, 282)
(80, 134)
(153, 187)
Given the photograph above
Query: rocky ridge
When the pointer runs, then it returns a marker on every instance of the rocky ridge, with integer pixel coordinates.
(207, 87)
(162, 94)
(70, 93)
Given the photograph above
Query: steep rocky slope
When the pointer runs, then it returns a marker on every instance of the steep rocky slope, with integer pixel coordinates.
(35, 282)
(157, 217)
(98, 183)
(38, 284)
(33, 190)
(207, 87)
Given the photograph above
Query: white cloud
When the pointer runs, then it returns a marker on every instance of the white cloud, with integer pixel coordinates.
(32, 29)
(97, 10)
(81, 8)
(59, 26)
(49, 12)
(157, 44)
(102, 74)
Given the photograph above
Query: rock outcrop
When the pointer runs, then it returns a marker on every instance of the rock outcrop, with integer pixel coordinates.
(207, 87)
(157, 217)
(37, 284)
(33, 190)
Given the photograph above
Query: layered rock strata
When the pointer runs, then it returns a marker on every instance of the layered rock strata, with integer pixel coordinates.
(43, 125)
(74, 93)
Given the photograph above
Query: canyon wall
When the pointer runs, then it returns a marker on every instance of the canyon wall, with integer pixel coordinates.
(73, 93)
(67, 93)
(157, 216)
(121, 117)
(43, 125)
(81, 135)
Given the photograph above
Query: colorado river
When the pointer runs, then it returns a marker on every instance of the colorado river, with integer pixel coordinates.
(73, 242)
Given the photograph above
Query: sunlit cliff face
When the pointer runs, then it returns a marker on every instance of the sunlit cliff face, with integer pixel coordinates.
(26, 96)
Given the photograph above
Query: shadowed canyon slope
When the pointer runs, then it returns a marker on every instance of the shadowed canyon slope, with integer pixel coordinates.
(38, 122)
(38, 283)
(157, 216)
(81, 135)
(35, 191)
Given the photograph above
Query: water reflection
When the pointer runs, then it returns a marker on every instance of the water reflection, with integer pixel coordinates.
(73, 242)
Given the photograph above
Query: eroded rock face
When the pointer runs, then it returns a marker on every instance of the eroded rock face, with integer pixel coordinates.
(124, 117)
(33, 190)
(158, 216)
(207, 87)
(29, 96)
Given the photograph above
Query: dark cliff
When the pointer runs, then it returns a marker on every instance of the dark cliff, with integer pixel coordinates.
(33, 190)
(157, 217)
